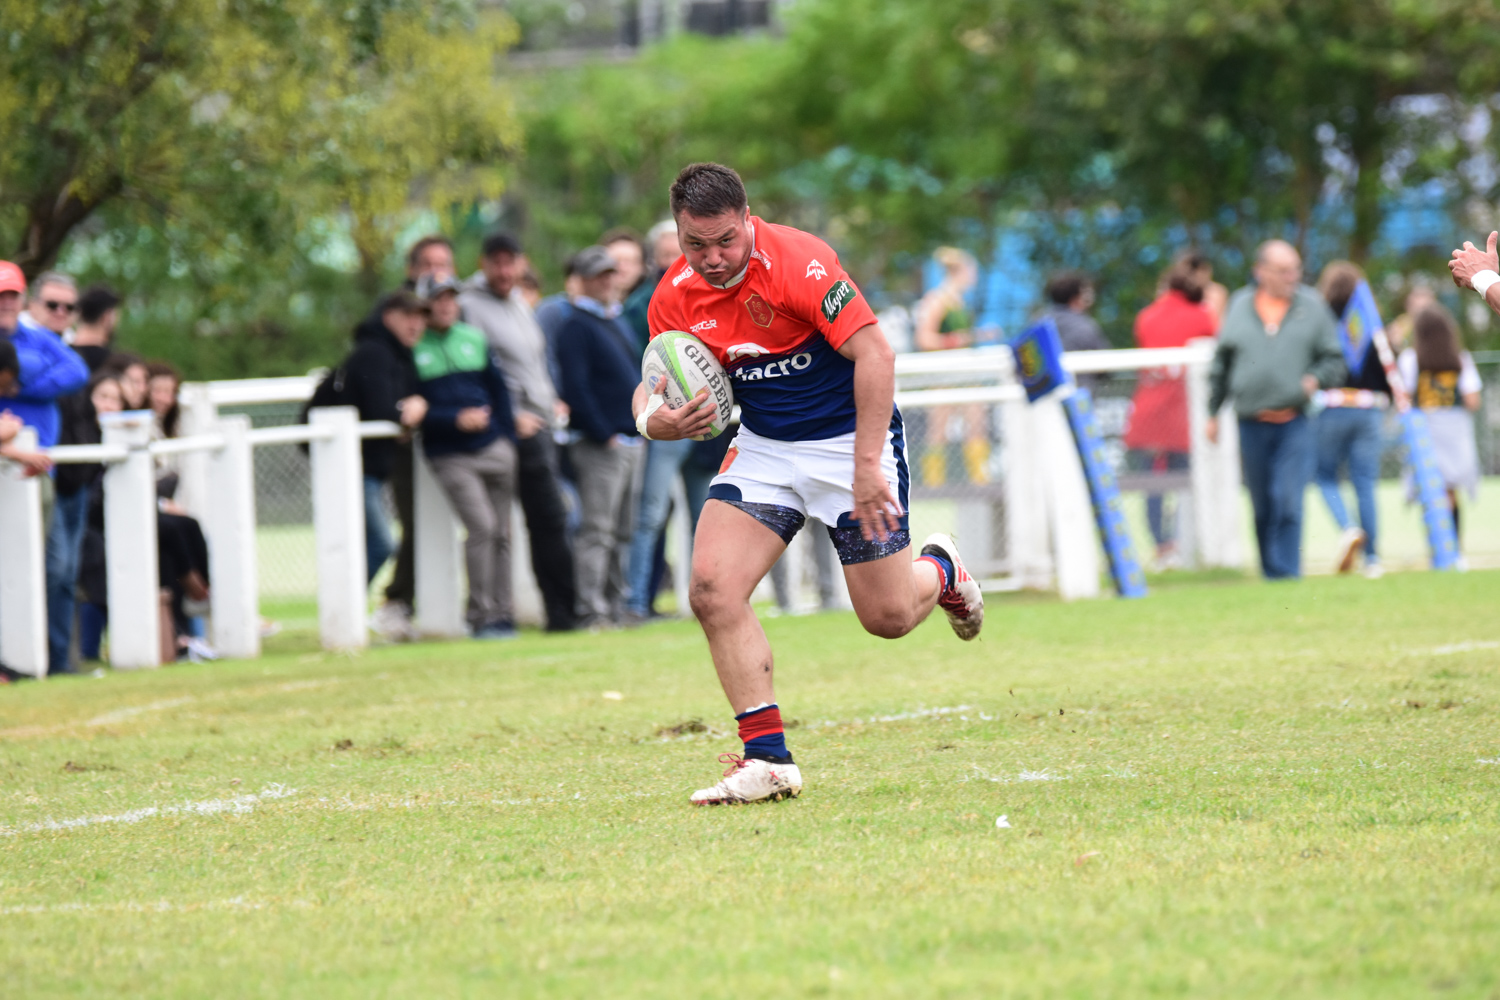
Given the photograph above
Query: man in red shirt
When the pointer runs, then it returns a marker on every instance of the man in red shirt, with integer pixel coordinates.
(820, 435)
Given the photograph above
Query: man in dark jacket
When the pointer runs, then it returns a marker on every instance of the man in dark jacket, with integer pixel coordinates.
(600, 370)
(381, 381)
(469, 437)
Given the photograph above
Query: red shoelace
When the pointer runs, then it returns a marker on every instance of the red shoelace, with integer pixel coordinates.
(734, 760)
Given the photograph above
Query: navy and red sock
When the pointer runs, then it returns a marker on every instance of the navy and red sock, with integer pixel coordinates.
(944, 567)
(760, 729)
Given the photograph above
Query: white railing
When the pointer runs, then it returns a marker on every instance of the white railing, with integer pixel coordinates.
(1049, 532)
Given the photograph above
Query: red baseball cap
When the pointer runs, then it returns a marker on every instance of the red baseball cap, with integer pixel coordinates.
(11, 278)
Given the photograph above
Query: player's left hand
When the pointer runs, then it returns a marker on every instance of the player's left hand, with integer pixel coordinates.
(875, 506)
(1470, 260)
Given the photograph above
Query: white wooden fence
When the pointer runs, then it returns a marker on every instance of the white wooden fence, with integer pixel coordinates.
(1049, 527)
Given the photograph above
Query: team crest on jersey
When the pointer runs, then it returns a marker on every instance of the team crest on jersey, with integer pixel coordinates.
(683, 275)
(745, 351)
(760, 310)
(815, 271)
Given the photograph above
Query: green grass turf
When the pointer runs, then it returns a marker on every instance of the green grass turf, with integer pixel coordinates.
(1229, 788)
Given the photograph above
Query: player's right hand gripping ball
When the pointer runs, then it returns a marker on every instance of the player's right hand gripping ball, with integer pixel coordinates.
(688, 366)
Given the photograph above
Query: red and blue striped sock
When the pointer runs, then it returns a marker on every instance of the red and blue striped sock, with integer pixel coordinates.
(944, 568)
(764, 738)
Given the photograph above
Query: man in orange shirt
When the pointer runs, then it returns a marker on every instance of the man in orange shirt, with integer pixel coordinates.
(1278, 345)
(820, 435)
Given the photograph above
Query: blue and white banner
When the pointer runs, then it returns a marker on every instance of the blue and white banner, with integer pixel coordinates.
(1038, 351)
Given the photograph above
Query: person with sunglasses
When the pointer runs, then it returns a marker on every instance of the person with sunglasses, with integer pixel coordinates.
(54, 302)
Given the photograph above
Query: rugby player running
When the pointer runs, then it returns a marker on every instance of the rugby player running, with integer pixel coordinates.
(820, 434)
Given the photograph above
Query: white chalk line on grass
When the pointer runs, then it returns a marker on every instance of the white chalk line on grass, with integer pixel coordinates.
(162, 906)
(238, 805)
(1457, 647)
(120, 715)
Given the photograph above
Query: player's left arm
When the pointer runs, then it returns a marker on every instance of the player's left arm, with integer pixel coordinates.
(1469, 262)
(875, 506)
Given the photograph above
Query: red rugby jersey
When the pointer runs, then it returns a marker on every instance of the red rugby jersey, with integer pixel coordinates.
(776, 332)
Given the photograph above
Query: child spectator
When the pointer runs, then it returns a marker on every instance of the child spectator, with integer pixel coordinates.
(1445, 385)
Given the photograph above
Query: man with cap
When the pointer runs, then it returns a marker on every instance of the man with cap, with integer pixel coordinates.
(599, 369)
(469, 437)
(492, 301)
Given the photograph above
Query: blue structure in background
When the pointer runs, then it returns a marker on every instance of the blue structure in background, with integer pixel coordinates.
(1038, 351)
(1009, 289)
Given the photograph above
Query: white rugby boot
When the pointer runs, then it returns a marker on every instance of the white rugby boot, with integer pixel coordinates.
(961, 601)
(751, 781)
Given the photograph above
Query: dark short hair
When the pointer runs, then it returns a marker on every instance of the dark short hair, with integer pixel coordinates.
(1186, 275)
(707, 189)
(620, 234)
(9, 362)
(403, 299)
(433, 240)
(95, 301)
(118, 361)
(1065, 286)
(1338, 282)
(500, 241)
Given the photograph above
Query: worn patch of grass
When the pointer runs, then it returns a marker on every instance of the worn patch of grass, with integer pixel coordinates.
(1233, 789)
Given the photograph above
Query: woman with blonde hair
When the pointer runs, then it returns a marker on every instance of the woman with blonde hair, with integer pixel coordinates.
(944, 323)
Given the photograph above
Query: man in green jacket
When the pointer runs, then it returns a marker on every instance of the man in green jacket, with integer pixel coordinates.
(1277, 346)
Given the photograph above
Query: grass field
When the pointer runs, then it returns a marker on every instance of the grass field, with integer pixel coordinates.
(1231, 788)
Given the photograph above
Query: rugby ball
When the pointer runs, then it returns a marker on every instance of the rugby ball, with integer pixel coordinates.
(689, 366)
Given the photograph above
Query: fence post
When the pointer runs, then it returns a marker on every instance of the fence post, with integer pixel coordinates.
(130, 548)
(1027, 547)
(339, 523)
(199, 416)
(229, 523)
(23, 590)
(1075, 543)
(439, 555)
(1215, 472)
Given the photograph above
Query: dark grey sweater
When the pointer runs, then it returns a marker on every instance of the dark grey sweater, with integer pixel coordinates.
(1264, 372)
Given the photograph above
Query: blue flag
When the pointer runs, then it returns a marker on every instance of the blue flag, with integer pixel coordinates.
(1361, 320)
(1104, 491)
(1038, 351)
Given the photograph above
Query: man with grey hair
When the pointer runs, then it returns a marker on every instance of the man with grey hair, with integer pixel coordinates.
(1277, 346)
(54, 302)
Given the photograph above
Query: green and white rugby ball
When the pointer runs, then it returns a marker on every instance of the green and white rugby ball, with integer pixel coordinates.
(689, 366)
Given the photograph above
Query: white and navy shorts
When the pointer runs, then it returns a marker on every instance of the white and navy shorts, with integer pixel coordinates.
(781, 483)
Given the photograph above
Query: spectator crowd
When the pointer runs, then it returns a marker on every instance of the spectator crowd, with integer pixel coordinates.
(473, 370)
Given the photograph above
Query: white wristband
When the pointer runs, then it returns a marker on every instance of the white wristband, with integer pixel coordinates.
(1483, 280)
(652, 405)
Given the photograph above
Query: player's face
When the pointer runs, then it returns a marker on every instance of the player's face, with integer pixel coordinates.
(717, 247)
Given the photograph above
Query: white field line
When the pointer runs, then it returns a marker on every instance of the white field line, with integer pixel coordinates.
(120, 715)
(163, 906)
(238, 805)
(1457, 647)
(1022, 776)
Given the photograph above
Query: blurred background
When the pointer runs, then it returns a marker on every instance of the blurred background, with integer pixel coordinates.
(249, 173)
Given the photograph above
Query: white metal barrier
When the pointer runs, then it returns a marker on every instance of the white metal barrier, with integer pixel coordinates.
(1049, 528)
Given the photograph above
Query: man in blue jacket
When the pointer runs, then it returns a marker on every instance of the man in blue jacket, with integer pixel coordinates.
(600, 368)
(49, 368)
(469, 436)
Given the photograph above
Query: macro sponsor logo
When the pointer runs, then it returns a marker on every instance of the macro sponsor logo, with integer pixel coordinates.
(775, 369)
(708, 324)
(815, 271)
(762, 256)
(683, 275)
(745, 351)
